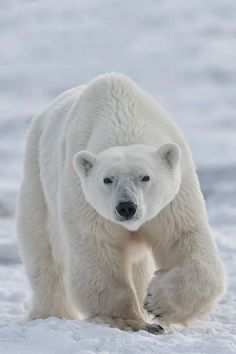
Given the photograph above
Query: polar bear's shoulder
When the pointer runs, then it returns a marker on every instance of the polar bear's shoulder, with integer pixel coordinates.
(67, 97)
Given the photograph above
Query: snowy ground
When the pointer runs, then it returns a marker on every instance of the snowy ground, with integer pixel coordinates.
(183, 52)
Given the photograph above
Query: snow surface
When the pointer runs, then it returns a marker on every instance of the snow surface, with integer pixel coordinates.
(183, 53)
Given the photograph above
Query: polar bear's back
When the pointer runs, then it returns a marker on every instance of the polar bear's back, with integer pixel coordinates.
(114, 111)
(110, 111)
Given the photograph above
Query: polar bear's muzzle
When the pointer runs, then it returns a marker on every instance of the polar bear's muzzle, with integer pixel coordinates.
(126, 207)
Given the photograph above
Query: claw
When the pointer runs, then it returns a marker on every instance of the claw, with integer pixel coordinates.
(154, 328)
(149, 311)
(161, 315)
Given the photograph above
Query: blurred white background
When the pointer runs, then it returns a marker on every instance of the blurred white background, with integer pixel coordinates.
(182, 52)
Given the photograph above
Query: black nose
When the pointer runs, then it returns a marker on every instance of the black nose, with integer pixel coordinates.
(126, 209)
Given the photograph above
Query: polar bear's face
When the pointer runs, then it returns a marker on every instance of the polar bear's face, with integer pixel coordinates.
(130, 184)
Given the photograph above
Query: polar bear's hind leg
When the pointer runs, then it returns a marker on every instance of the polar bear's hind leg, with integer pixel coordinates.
(46, 277)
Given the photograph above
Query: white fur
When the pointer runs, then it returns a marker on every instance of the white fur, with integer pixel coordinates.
(79, 256)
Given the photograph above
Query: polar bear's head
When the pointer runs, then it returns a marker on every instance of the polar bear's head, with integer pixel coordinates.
(130, 184)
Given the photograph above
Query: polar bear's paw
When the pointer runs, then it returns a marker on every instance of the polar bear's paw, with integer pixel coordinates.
(183, 293)
(129, 324)
(161, 301)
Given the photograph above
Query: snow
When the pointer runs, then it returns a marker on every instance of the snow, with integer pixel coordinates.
(183, 53)
(215, 333)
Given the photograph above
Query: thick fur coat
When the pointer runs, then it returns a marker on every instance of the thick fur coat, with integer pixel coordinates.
(83, 252)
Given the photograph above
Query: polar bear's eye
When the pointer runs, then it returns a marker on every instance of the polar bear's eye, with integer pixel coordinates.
(145, 179)
(107, 180)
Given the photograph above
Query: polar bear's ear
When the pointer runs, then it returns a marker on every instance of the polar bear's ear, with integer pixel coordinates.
(170, 154)
(83, 162)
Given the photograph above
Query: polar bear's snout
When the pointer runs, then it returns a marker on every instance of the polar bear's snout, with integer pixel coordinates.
(126, 197)
(126, 210)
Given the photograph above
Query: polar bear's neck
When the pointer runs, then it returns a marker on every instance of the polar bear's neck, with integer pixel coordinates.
(136, 248)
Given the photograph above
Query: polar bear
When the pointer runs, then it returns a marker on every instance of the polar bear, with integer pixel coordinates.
(109, 194)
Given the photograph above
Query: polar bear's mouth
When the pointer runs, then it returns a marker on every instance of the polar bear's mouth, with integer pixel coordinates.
(131, 224)
(126, 219)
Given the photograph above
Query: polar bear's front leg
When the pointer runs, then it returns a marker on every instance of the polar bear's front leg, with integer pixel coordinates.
(99, 285)
(189, 287)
